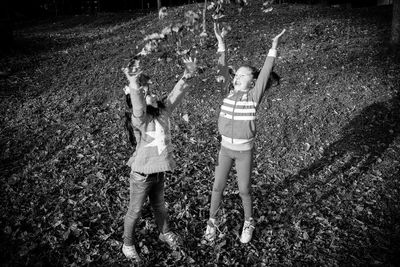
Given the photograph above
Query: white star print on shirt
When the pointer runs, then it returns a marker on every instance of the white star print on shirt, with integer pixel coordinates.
(159, 137)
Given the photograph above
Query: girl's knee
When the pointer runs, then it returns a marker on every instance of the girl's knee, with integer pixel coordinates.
(159, 207)
(133, 213)
(218, 189)
(219, 185)
(245, 193)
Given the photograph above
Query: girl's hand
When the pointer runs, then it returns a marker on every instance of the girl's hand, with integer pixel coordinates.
(276, 39)
(133, 77)
(220, 35)
(190, 67)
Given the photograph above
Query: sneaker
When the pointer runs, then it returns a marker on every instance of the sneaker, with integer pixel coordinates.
(211, 231)
(130, 252)
(247, 233)
(170, 238)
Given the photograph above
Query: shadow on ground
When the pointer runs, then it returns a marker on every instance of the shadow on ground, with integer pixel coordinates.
(339, 183)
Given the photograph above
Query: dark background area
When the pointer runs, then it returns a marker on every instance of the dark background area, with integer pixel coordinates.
(15, 14)
(23, 9)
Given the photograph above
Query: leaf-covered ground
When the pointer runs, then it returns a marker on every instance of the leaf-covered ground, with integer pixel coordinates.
(326, 177)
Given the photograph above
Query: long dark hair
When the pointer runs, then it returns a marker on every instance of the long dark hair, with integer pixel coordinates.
(153, 111)
(130, 129)
(156, 111)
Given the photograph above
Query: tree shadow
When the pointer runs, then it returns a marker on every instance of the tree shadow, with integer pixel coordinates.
(383, 230)
(364, 139)
(329, 185)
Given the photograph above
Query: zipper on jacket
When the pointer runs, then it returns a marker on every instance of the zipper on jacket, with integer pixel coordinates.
(233, 116)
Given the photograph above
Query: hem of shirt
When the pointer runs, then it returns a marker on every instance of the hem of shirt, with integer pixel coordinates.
(238, 147)
(153, 169)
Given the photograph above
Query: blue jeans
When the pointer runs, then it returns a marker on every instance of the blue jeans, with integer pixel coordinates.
(141, 187)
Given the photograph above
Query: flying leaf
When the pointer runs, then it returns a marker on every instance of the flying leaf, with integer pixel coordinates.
(203, 34)
(185, 117)
(177, 28)
(191, 17)
(182, 52)
(268, 10)
(267, 3)
(218, 16)
(211, 6)
(167, 30)
(154, 36)
(162, 13)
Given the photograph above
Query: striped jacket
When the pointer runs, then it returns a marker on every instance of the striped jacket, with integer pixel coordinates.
(236, 122)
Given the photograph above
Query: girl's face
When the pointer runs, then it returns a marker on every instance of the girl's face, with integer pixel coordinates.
(151, 99)
(243, 79)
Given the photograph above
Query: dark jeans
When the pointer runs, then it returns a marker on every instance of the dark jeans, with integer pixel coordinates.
(141, 186)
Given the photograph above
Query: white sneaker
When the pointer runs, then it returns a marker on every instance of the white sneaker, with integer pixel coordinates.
(247, 232)
(211, 231)
(130, 252)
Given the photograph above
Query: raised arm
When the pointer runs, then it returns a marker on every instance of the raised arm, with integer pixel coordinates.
(261, 83)
(136, 92)
(223, 70)
(182, 86)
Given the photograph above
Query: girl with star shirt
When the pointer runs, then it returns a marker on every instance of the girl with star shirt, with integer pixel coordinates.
(153, 154)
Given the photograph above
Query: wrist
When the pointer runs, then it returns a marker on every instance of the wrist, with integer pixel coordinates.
(221, 47)
(133, 88)
(186, 77)
(272, 52)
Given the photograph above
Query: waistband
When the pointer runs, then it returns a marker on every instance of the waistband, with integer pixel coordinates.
(238, 147)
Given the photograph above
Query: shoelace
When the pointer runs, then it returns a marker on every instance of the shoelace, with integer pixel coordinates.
(248, 226)
(131, 250)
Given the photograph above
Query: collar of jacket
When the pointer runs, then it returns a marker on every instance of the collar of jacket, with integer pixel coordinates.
(235, 93)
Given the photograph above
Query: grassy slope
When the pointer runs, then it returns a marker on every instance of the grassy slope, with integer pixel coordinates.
(326, 176)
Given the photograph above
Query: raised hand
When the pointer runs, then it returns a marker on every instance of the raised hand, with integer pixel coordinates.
(220, 35)
(276, 39)
(133, 77)
(190, 67)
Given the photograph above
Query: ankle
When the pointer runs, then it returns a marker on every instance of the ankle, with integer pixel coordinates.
(249, 219)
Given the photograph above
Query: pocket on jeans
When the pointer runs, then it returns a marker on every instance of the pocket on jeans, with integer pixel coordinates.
(138, 177)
